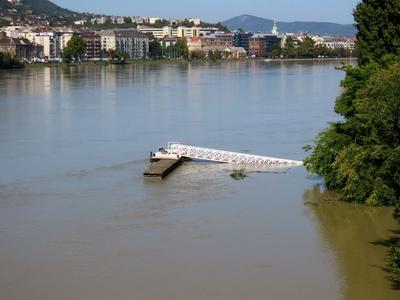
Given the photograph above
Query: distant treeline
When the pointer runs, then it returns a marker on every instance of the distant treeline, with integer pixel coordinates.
(308, 49)
(7, 62)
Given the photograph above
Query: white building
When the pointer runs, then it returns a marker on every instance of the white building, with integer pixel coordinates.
(188, 32)
(140, 20)
(158, 33)
(339, 43)
(167, 31)
(132, 42)
(80, 22)
(12, 31)
(153, 20)
(195, 21)
(50, 40)
(53, 41)
(99, 20)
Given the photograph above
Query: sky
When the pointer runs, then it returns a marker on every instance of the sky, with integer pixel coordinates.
(337, 11)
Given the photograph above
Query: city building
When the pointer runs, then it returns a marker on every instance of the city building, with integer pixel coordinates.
(195, 21)
(80, 22)
(242, 39)
(12, 31)
(53, 40)
(174, 22)
(187, 32)
(168, 42)
(19, 48)
(194, 44)
(218, 39)
(99, 20)
(168, 31)
(271, 41)
(238, 52)
(132, 42)
(140, 20)
(227, 52)
(207, 31)
(153, 20)
(93, 44)
(49, 39)
(257, 46)
(338, 43)
(65, 35)
(158, 33)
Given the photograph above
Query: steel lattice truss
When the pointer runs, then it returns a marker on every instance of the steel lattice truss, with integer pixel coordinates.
(226, 156)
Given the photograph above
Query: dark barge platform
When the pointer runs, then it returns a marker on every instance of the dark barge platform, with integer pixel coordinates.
(162, 168)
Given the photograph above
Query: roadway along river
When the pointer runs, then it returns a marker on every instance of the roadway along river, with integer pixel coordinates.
(79, 221)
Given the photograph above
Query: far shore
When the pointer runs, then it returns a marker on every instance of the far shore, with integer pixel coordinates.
(184, 61)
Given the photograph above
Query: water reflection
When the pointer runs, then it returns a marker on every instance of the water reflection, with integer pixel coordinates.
(353, 232)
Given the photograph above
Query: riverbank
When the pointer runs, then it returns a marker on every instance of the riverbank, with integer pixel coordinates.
(185, 62)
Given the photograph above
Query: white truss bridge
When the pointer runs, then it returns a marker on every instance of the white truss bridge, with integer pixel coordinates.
(198, 153)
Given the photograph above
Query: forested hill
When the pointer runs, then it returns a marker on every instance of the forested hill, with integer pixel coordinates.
(46, 7)
(36, 7)
(256, 24)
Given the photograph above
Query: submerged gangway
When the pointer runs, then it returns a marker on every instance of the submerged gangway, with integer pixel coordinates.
(206, 154)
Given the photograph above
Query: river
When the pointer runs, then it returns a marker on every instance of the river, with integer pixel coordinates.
(79, 221)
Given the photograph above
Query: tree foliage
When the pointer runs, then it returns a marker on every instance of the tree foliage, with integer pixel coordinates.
(7, 62)
(155, 49)
(360, 155)
(378, 27)
(394, 262)
(75, 48)
(214, 55)
(117, 56)
(308, 49)
(179, 50)
(198, 55)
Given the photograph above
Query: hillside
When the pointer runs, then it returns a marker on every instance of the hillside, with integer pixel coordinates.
(38, 12)
(256, 24)
(46, 7)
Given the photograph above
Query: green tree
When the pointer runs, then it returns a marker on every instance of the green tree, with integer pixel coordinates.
(197, 55)
(160, 23)
(127, 20)
(155, 49)
(7, 62)
(289, 51)
(214, 55)
(306, 48)
(4, 22)
(360, 156)
(75, 48)
(181, 49)
(118, 56)
(276, 51)
(187, 23)
(394, 262)
(378, 27)
(108, 20)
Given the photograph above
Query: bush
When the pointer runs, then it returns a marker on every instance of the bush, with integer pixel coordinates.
(394, 262)
(360, 156)
(239, 174)
(7, 62)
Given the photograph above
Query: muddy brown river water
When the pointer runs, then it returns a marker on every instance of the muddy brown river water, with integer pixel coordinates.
(79, 221)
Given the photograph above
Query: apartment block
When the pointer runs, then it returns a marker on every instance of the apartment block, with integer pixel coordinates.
(168, 31)
(93, 44)
(257, 46)
(132, 42)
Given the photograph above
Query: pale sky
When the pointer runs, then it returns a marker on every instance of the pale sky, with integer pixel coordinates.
(338, 11)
